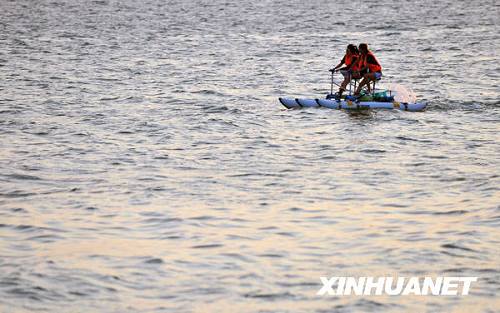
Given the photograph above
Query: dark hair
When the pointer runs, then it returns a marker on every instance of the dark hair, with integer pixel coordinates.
(363, 46)
(352, 48)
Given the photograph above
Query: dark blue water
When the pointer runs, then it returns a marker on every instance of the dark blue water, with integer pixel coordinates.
(147, 166)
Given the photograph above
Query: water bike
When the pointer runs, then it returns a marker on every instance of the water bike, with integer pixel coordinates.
(395, 97)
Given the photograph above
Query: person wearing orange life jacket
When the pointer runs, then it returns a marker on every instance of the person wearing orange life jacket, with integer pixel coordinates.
(369, 68)
(350, 60)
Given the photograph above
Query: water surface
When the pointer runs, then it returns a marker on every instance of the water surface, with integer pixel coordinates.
(146, 164)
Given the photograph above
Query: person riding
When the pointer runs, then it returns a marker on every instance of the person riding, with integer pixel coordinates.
(350, 60)
(369, 68)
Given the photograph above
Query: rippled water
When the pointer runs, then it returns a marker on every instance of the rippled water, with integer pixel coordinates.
(146, 164)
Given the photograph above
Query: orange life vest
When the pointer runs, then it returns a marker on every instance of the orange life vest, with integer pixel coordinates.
(349, 58)
(372, 67)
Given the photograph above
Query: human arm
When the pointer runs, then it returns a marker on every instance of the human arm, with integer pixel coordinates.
(342, 62)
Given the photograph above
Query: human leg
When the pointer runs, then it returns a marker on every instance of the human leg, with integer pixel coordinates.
(347, 78)
(367, 79)
(363, 82)
(344, 84)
